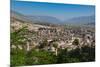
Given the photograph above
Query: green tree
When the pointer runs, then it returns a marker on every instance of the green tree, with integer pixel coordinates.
(76, 42)
(88, 54)
(40, 57)
(18, 38)
(56, 48)
(65, 56)
(17, 57)
(43, 44)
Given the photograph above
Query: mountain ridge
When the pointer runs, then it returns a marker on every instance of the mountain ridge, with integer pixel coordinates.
(53, 20)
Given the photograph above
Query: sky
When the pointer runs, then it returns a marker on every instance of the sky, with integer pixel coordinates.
(60, 11)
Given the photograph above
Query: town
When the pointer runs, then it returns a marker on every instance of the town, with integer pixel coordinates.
(61, 35)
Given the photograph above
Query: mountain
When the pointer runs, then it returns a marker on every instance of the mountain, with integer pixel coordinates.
(35, 19)
(44, 19)
(19, 16)
(81, 20)
(53, 20)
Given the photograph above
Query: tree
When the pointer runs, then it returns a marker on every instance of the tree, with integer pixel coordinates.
(56, 48)
(22, 37)
(17, 57)
(65, 56)
(76, 42)
(18, 38)
(43, 44)
(40, 57)
(88, 54)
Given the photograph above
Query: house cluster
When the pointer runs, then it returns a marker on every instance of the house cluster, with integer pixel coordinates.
(63, 38)
(60, 35)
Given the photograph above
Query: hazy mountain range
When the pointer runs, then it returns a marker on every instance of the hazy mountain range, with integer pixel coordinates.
(82, 20)
(54, 20)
